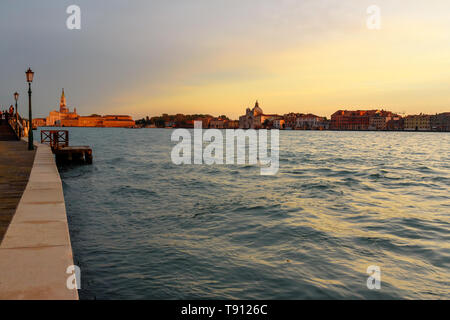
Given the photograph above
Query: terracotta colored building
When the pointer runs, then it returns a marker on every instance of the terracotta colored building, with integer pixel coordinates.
(121, 121)
(65, 118)
(90, 121)
(39, 122)
(361, 119)
(290, 120)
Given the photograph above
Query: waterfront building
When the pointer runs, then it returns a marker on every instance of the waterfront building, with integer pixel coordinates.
(395, 124)
(256, 119)
(290, 120)
(325, 124)
(380, 119)
(440, 122)
(232, 124)
(90, 121)
(310, 122)
(279, 124)
(361, 119)
(377, 122)
(350, 120)
(420, 122)
(205, 120)
(39, 122)
(117, 121)
(222, 123)
(65, 118)
(217, 123)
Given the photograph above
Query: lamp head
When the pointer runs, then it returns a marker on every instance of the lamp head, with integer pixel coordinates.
(30, 75)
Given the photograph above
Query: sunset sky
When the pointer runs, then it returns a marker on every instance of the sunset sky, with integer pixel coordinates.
(217, 57)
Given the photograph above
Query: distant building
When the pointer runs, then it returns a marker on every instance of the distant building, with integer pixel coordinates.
(39, 122)
(205, 121)
(379, 120)
(395, 124)
(310, 122)
(361, 119)
(217, 123)
(349, 120)
(117, 121)
(440, 122)
(221, 123)
(232, 124)
(278, 124)
(419, 122)
(65, 118)
(256, 119)
(90, 121)
(325, 124)
(290, 120)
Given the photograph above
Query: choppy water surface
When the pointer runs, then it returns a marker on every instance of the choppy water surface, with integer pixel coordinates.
(142, 227)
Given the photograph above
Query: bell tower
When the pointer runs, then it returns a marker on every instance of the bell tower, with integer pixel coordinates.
(62, 104)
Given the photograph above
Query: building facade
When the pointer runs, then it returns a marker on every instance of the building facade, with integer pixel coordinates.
(290, 120)
(380, 120)
(310, 122)
(65, 118)
(256, 119)
(232, 124)
(420, 122)
(361, 119)
(279, 124)
(39, 122)
(440, 122)
(349, 120)
(396, 124)
(217, 123)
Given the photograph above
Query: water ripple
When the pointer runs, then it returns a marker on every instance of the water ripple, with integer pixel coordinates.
(142, 227)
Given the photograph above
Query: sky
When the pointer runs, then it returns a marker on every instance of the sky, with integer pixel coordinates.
(144, 57)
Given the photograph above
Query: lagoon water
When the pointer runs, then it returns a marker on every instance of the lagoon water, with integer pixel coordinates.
(144, 228)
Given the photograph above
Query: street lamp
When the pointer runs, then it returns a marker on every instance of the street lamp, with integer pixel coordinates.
(30, 75)
(16, 97)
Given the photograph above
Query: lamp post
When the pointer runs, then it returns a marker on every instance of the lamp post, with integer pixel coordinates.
(16, 97)
(30, 75)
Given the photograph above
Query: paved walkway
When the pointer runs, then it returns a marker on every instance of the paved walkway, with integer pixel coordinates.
(15, 167)
(35, 254)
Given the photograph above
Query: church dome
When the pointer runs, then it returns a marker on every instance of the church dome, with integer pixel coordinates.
(257, 110)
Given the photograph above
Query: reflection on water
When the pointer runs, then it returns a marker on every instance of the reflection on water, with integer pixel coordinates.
(142, 227)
